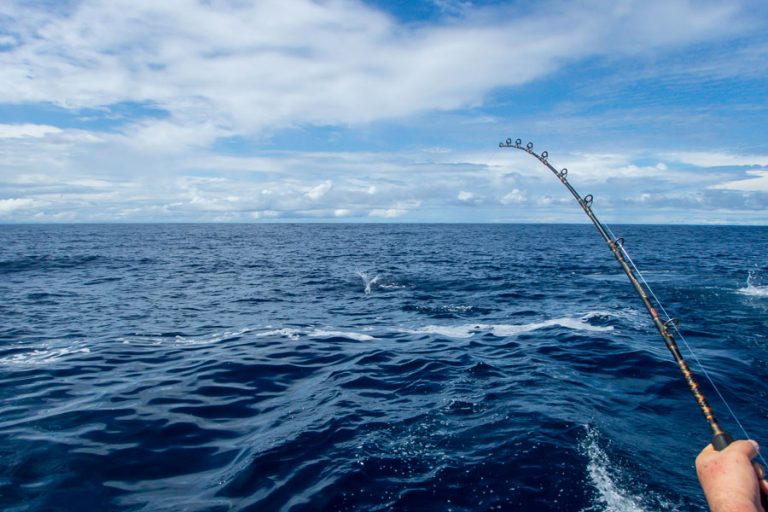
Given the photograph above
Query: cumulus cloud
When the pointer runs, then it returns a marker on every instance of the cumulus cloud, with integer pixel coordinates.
(389, 213)
(9, 205)
(515, 196)
(319, 191)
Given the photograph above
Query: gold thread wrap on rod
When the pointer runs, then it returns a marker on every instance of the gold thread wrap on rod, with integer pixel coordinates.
(720, 436)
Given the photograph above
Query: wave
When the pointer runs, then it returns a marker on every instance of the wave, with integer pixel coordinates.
(211, 338)
(41, 356)
(469, 330)
(295, 334)
(320, 333)
(284, 332)
(47, 262)
(183, 339)
(448, 310)
(49, 354)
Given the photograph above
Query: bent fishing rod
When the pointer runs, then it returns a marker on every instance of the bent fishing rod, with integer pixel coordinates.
(721, 438)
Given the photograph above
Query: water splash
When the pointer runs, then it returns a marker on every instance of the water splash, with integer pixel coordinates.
(756, 286)
(605, 478)
(368, 281)
(614, 489)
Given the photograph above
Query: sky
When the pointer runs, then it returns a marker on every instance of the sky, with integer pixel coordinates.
(382, 111)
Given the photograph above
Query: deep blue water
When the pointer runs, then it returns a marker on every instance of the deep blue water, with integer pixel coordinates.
(367, 367)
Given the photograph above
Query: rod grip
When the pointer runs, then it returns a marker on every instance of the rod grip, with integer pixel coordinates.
(721, 441)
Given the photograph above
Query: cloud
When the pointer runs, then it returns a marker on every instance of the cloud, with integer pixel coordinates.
(342, 212)
(194, 111)
(319, 191)
(389, 213)
(9, 205)
(757, 184)
(718, 159)
(360, 186)
(515, 196)
(241, 67)
(19, 131)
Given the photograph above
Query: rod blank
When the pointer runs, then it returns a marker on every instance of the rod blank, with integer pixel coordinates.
(721, 438)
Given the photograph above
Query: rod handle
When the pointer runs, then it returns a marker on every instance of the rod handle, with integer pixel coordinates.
(721, 441)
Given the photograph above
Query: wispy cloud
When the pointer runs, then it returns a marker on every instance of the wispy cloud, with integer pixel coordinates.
(234, 67)
(176, 79)
(20, 131)
(759, 183)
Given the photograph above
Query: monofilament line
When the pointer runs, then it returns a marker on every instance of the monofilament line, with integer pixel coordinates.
(669, 321)
(720, 439)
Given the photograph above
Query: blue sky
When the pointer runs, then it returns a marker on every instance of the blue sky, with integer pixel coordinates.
(382, 111)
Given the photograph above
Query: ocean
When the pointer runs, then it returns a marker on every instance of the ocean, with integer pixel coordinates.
(330, 367)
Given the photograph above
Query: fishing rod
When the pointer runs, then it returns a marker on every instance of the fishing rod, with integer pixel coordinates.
(721, 438)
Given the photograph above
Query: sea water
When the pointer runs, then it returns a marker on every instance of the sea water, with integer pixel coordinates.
(368, 367)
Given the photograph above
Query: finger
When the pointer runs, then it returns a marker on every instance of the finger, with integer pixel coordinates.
(764, 487)
(749, 448)
(760, 470)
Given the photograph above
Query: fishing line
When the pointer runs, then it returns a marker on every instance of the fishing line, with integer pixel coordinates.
(665, 327)
(674, 325)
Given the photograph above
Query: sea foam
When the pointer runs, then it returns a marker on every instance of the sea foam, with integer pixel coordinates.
(42, 356)
(469, 330)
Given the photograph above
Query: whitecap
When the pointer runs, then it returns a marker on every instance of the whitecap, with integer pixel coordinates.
(285, 332)
(456, 331)
(390, 286)
(42, 356)
(320, 333)
(184, 340)
(295, 334)
(210, 338)
(469, 330)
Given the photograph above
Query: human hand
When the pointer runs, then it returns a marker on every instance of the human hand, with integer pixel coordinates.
(731, 482)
